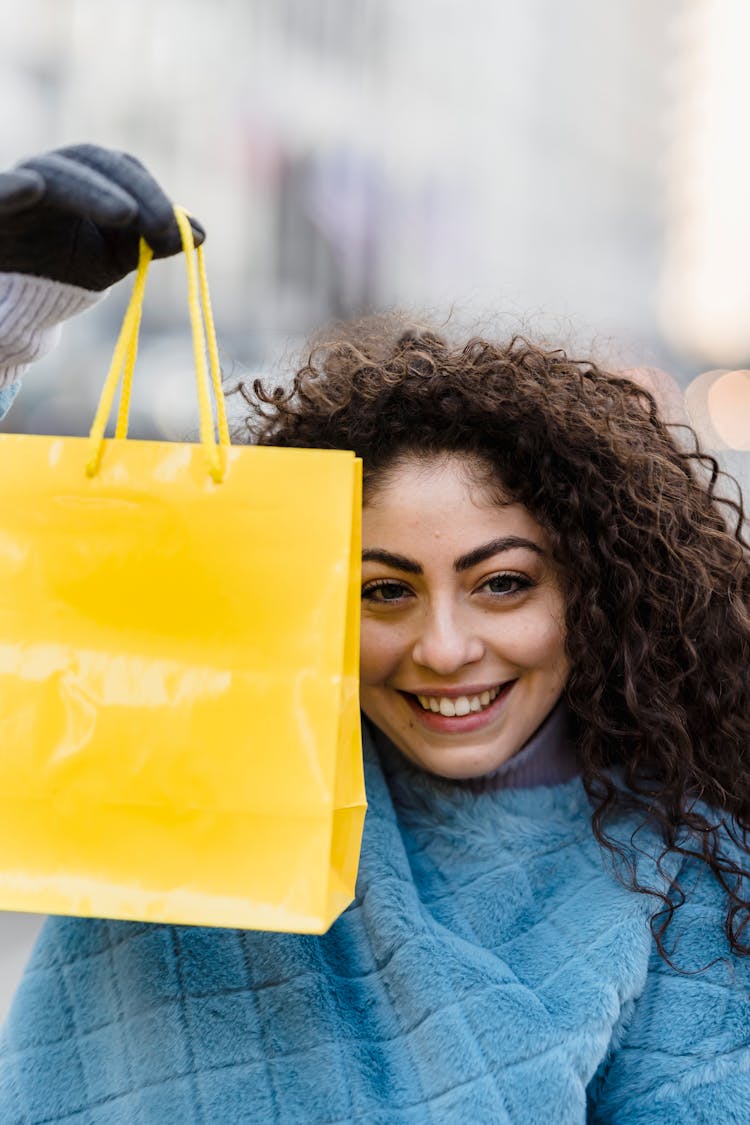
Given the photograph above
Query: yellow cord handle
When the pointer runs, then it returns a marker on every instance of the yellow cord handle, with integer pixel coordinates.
(126, 350)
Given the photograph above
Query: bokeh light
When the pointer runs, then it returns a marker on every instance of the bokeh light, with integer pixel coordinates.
(705, 288)
(718, 403)
(729, 408)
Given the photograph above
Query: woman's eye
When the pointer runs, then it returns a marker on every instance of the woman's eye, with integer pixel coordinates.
(384, 592)
(507, 584)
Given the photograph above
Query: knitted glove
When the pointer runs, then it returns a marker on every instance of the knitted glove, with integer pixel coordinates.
(77, 214)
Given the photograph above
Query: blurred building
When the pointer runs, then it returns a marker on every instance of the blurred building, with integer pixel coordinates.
(568, 169)
(486, 160)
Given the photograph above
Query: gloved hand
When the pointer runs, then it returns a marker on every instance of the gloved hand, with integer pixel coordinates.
(76, 214)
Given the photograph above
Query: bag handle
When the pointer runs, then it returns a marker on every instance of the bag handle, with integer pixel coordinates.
(126, 350)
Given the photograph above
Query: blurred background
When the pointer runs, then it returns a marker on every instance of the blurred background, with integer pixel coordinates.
(578, 171)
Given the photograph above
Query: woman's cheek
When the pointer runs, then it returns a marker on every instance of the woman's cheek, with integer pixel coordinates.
(385, 648)
(539, 642)
(374, 652)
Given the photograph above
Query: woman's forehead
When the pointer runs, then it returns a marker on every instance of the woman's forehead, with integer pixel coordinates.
(438, 472)
(443, 501)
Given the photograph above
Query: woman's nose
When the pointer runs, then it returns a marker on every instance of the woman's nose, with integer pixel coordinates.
(447, 642)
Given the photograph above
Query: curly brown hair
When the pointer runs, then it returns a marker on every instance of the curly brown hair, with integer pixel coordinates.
(655, 561)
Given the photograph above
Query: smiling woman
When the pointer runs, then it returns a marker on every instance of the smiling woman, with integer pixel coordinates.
(534, 532)
(555, 678)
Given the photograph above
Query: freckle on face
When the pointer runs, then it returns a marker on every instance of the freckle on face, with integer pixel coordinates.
(450, 635)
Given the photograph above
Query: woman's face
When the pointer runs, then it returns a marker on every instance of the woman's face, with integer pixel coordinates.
(462, 619)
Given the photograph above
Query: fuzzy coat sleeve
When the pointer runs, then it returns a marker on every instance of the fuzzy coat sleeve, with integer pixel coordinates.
(31, 312)
(681, 1052)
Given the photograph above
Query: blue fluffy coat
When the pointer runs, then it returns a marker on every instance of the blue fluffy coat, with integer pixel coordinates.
(491, 970)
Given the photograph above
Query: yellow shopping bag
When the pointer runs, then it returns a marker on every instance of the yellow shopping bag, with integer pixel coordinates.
(179, 718)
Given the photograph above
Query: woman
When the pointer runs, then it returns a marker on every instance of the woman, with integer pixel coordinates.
(551, 912)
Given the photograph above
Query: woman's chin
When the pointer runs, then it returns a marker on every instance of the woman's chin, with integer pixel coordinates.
(459, 760)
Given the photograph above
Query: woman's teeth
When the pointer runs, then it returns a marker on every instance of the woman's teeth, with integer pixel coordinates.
(461, 706)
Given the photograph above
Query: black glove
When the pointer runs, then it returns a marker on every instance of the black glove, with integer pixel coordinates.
(77, 214)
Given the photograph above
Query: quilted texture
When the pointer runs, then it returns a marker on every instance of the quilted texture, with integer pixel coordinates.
(491, 969)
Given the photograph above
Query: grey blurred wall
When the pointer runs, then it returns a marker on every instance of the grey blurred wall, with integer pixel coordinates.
(492, 161)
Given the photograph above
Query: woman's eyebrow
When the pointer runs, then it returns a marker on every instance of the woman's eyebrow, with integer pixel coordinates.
(494, 547)
(398, 562)
(463, 562)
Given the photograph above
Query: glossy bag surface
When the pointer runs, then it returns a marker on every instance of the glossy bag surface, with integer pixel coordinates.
(179, 718)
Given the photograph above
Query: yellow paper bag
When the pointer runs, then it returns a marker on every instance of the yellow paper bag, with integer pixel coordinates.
(179, 719)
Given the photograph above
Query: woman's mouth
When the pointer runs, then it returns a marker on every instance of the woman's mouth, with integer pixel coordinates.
(464, 704)
(453, 713)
